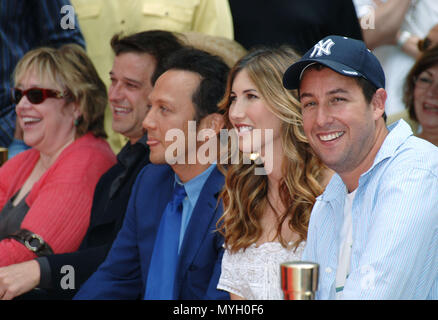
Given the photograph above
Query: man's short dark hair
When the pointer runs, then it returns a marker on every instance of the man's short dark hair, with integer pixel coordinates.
(368, 90)
(213, 72)
(157, 43)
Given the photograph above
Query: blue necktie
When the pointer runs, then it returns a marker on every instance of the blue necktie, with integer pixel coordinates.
(164, 261)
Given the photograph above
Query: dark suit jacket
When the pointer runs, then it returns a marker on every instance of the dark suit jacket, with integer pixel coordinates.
(110, 201)
(124, 273)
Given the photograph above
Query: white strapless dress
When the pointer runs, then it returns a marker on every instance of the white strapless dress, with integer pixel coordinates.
(254, 273)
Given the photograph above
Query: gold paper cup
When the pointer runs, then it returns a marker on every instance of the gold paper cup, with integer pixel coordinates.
(299, 280)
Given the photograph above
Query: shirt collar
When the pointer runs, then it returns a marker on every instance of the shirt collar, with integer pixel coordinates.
(398, 133)
(194, 186)
(127, 155)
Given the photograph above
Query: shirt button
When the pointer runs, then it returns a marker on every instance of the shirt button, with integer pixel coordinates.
(328, 270)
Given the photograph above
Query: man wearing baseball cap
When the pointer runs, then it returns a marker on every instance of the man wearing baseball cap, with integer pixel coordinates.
(374, 231)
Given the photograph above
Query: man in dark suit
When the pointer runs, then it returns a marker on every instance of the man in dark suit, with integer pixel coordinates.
(138, 62)
(147, 260)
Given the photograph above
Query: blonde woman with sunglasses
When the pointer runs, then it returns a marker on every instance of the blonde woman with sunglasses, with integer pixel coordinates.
(46, 192)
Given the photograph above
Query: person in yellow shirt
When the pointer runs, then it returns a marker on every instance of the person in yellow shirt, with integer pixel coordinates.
(101, 19)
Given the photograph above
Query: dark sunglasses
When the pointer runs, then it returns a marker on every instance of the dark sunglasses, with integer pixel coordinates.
(35, 95)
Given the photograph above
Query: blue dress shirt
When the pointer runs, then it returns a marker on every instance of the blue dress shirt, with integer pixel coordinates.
(193, 189)
(123, 274)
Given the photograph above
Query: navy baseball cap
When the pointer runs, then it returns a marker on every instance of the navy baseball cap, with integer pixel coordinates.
(346, 56)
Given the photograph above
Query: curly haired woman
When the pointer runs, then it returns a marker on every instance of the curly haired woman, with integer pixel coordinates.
(265, 215)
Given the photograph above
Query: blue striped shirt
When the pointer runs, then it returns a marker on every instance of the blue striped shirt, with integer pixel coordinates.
(25, 25)
(395, 224)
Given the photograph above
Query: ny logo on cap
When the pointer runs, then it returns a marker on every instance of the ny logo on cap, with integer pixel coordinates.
(322, 47)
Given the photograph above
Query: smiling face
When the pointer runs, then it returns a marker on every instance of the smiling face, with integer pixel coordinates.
(249, 111)
(129, 91)
(338, 122)
(171, 107)
(47, 126)
(426, 99)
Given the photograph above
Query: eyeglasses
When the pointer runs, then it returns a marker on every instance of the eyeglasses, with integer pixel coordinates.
(35, 95)
(424, 81)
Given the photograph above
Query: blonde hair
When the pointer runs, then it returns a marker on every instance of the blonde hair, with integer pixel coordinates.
(245, 194)
(70, 71)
